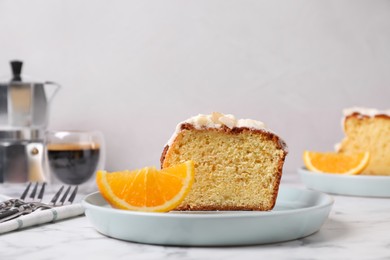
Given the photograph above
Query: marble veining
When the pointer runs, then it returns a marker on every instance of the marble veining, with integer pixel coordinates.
(357, 228)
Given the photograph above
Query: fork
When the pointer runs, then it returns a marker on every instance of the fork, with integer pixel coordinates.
(6, 205)
(16, 207)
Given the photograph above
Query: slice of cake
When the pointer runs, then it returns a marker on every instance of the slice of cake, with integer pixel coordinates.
(238, 163)
(368, 130)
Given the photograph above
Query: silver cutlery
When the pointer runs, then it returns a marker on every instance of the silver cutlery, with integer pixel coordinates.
(16, 207)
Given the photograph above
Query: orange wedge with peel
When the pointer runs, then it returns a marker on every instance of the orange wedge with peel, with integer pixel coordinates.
(147, 189)
(338, 163)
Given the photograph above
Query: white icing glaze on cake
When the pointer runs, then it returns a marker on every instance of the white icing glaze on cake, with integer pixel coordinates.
(362, 111)
(371, 112)
(217, 120)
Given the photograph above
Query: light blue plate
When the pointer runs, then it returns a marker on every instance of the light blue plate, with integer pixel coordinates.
(298, 213)
(352, 185)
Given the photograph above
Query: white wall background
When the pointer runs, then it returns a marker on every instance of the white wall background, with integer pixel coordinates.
(134, 69)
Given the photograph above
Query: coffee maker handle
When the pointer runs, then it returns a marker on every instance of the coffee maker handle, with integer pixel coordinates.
(52, 91)
(35, 162)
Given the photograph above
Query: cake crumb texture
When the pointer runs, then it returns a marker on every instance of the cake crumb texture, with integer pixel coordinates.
(235, 169)
(372, 134)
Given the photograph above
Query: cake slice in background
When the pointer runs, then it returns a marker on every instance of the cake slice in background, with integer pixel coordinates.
(368, 130)
(238, 163)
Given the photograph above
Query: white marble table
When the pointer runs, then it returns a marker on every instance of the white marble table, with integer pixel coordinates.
(357, 228)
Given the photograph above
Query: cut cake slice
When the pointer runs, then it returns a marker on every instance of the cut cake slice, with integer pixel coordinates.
(368, 130)
(238, 163)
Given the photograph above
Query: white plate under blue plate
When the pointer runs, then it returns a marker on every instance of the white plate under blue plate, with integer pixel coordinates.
(351, 185)
(297, 213)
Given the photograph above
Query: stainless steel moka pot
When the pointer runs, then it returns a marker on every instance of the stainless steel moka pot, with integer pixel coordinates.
(24, 115)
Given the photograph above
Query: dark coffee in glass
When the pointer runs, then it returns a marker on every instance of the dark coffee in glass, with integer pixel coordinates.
(73, 163)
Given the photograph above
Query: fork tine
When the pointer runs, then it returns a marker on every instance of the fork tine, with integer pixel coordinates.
(42, 191)
(34, 192)
(73, 195)
(56, 196)
(25, 191)
(65, 195)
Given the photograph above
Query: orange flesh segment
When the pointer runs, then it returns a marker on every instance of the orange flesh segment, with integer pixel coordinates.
(147, 189)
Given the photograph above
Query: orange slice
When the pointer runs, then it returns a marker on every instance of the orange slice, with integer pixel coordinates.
(147, 189)
(341, 163)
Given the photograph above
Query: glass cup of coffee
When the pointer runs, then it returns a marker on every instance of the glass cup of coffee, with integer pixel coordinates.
(73, 157)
